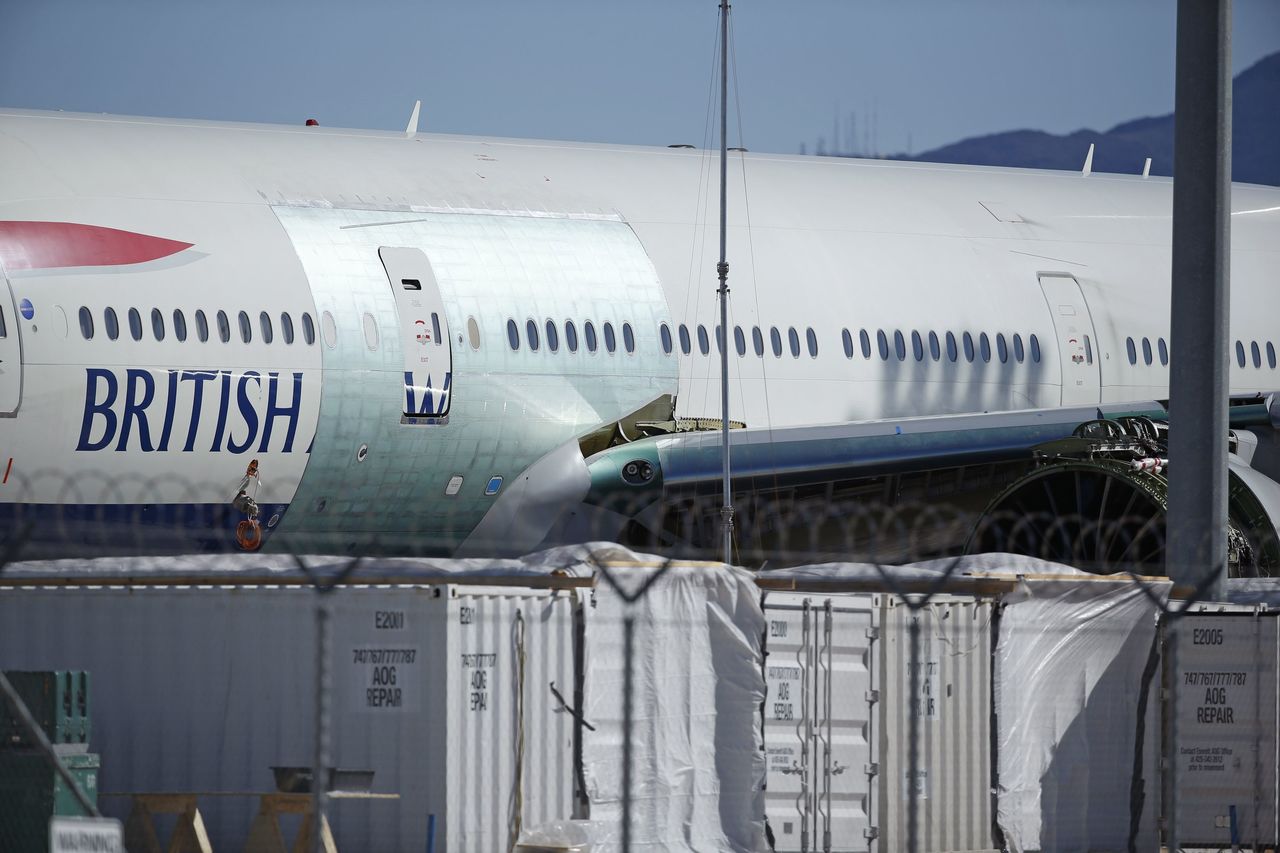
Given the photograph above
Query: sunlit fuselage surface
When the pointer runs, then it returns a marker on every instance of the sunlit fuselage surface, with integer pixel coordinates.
(405, 333)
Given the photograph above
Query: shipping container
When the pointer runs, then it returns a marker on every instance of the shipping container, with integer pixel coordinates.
(1224, 722)
(837, 718)
(443, 691)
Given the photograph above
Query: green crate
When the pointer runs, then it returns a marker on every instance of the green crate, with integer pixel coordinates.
(31, 792)
(59, 702)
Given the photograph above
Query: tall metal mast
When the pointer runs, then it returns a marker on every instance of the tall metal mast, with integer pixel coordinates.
(722, 269)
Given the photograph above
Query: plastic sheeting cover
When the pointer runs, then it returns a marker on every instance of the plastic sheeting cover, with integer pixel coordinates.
(1071, 660)
(696, 740)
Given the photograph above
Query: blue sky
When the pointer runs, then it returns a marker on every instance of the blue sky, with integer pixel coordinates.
(932, 71)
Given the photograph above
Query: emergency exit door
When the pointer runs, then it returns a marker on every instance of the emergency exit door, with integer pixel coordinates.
(1078, 354)
(424, 335)
(10, 352)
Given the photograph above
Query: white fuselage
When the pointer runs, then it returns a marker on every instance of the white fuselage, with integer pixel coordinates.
(1055, 272)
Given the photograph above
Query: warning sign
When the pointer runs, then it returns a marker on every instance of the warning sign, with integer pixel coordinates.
(85, 835)
(385, 670)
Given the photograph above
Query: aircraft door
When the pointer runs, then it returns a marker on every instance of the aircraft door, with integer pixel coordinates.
(424, 335)
(1077, 342)
(10, 352)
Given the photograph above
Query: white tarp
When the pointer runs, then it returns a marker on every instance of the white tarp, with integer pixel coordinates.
(1078, 762)
(697, 767)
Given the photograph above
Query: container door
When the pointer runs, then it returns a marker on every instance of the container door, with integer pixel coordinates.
(10, 353)
(1226, 729)
(424, 335)
(1077, 342)
(819, 736)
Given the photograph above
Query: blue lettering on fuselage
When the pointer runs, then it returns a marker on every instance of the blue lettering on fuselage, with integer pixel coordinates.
(428, 403)
(123, 412)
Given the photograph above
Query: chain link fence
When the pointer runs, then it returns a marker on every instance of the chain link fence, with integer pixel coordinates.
(882, 675)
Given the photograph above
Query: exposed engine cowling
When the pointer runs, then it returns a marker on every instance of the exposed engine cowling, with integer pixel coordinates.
(1098, 501)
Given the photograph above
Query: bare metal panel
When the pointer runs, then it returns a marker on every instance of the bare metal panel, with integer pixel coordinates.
(205, 689)
(952, 708)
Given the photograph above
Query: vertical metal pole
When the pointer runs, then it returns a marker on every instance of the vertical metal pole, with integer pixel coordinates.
(722, 269)
(628, 670)
(320, 768)
(1198, 373)
(1171, 740)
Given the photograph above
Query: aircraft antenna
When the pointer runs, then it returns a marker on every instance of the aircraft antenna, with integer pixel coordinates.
(411, 129)
(722, 270)
(1088, 162)
(1146, 168)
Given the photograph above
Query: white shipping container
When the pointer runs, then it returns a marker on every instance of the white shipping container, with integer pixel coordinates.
(1227, 701)
(837, 717)
(442, 691)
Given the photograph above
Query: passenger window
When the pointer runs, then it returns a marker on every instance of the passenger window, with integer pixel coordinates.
(628, 338)
(811, 338)
(589, 329)
(899, 345)
(370, 330)
(1002, 348)
(686, 346)
(135, 324)
(1164, 352)
(704, 344)
(1133, 352)
(4, 330)
(1257, 354)
(610, 339)
(308, 329)
(1035, 349)
(157, 324)
(264, 322)
(112, 323)
(883, 343)
(968, 347)
(246, 330)
(935, 350)
(865, 341)
(179, 324)
(513, 334)
(847, 340)
(571, 336)
(952, 352)
(740, 341)
(917, 346)
(531, 334)
(1146, 350)
(202, 326)
(775, 340)
(473, 332)
(286, 327)
(984, 346)
(719, 339)
(86, 323)
(664, 332)
(328, 328)
(1271, 355)
(793, 338)
(757, 339)
(1240, 353)
(1019, 353)
(553, 337)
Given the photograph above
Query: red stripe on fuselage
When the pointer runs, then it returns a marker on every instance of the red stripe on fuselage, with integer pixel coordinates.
(50, 245)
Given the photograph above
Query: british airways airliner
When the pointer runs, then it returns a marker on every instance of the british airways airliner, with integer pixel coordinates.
(231, 336)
